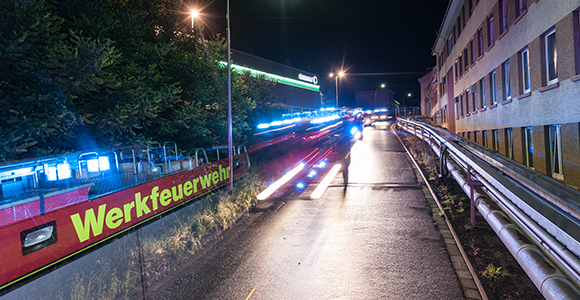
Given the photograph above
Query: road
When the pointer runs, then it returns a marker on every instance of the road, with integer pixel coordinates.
(376, 239)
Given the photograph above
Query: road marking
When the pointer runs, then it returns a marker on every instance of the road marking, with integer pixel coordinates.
(250, 295)
(325, 182)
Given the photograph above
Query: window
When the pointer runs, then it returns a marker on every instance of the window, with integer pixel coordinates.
(467, 102)
(502, 16)
(493, 88)
(458, 26)
(525, 63)
(449, 44)
(463, 16)
(495, 139)
(456, 100)
(482, 103)
(484, 138)
(469, 135)
(551, 57)
(556, 152)
(480, 42)
(470, 7)
(472, 51)
(460, 65)
(456, 70)
(528, 147)
(507, 93)
(490, 31)
(473, 98)
(465, 60)
(520, 7)
(509, 143)
(475, 134)
(461, 105)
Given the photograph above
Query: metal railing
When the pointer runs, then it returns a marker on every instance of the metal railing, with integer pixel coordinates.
(536, 217)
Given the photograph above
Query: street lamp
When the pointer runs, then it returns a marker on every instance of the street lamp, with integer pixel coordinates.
(380, 87)
(408, 95)
(340, 74)
(194, 14)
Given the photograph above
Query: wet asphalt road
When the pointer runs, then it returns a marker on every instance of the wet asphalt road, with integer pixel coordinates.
(376, 239)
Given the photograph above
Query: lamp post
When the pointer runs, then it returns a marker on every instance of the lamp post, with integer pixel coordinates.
(230, 156)
(339, 74)
(408, 95)
(194, 13)
(380, 87)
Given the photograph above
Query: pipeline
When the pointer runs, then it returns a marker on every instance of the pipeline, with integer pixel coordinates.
(500, 213)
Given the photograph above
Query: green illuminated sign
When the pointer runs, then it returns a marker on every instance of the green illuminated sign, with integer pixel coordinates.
(275, 78)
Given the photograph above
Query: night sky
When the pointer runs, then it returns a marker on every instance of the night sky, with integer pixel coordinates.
(320, 36)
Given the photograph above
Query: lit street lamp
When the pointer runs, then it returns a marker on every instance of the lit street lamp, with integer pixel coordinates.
(340, 74)
(381, 87)
(408, 95)
(194, 14)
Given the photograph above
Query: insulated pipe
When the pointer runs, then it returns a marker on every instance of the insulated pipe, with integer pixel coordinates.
(560, 253)
(549, 280)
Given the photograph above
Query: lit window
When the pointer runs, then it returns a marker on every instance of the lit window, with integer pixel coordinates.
(551, 57)
(525, 62)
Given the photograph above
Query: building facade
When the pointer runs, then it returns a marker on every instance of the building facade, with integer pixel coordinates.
(507, 77)
(297, 89)
(380, 98)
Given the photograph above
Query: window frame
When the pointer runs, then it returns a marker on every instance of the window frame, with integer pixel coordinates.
(555, 57)
(493, 88)
(482, 102)
(509, 143)
(555, 150)
(525, 69)
(507, 91)
(528, 146)
(490, 37)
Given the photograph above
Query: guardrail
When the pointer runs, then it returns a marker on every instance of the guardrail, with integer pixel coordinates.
(536, 217)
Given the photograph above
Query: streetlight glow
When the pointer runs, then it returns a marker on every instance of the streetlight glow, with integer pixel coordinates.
(340, 74)
(194, 14)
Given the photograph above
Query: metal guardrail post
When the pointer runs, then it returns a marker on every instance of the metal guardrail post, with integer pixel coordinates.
(512, 225)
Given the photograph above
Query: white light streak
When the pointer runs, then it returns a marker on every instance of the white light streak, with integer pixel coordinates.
(325, 182)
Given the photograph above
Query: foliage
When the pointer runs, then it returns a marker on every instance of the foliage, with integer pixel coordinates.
(492, 272)
(88, 74)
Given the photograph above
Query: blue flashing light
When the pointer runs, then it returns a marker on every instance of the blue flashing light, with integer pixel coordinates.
(263, 126)
(353, 130)
(312, 173)
(322, 164)
(300, 185)
(104, 163)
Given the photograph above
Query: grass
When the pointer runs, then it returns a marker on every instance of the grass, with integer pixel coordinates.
(164, 245)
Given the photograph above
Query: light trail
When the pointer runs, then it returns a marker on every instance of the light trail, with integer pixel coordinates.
(276, 185)
(325, 182)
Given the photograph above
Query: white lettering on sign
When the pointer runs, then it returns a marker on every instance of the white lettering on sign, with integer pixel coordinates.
(311, 79)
